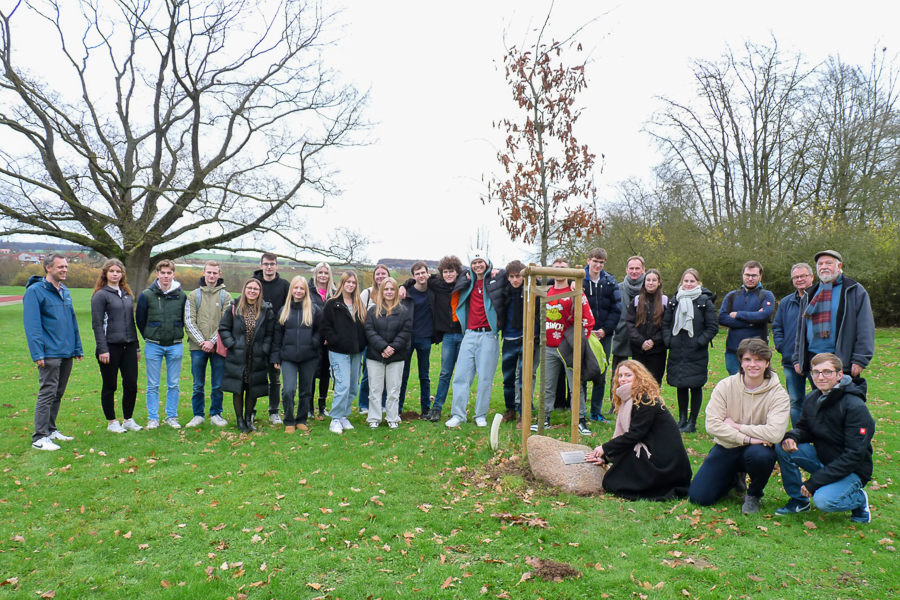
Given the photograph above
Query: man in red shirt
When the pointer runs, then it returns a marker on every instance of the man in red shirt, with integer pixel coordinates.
(480, 311)
(560, 317)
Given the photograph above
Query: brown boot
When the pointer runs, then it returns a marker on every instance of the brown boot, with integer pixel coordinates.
(509, 415)
(302, 427)
(289, 429)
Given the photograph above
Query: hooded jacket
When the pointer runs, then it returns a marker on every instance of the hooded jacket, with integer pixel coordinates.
(764, 413)
(838, 424)
(112, 318)
(50, 324)
(855, 335)
(605, 300)
(752, 316)
(160, 315)
(203, 323)
(494, 299)
(274, 292)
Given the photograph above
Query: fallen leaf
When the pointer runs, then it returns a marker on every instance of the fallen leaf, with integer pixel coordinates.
(18, 538)
(48, 594)
(165, 583)
(10, 581)
(809, 525)
(446, 583)
(525, 577)
(756, 578)
(127, 536)
(315, 586)
(143, 546)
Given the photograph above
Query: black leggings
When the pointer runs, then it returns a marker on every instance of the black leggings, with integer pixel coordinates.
(323, 375)
(244, 403)
(122, 358)
(696, 402)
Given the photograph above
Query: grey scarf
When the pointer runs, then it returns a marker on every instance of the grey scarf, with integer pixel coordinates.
(684, 312)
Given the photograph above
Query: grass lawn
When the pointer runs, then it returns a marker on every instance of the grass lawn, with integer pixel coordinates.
(385, 514)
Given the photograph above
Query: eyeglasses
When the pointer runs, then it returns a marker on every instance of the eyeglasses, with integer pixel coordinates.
(749, 276)
(801, 277)
(816, 374)
(270, 264)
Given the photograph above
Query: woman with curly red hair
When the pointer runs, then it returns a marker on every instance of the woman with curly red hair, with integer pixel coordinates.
(646, 455)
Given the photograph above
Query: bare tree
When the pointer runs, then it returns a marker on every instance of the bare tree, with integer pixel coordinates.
(193, 125)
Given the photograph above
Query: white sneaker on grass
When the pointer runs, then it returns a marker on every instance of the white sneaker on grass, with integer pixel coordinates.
(275, 419)
(218, 421)
(58, 436)
(454, 422)
(195, 422)
(335, 426)
(373, 424)
(364, 411)
(173, 423)
(481, 421)
(130, 425)
(153, 424)
(345, 423)
(393, 425)
(116, 427)
(44, 444)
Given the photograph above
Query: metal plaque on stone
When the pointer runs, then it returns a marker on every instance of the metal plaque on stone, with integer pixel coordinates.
(575, 457)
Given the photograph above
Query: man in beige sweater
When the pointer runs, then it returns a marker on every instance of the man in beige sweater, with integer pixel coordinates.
(747, 414)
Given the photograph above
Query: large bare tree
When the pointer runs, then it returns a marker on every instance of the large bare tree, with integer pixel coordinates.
(153, 129)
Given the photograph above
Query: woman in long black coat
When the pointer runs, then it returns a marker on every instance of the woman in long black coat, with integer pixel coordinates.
(643, 321)
(647, 455)
(247, 331)
(689, 325)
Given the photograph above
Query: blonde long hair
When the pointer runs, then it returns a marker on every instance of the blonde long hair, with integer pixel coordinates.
(383, 307)
(306, 313)
(329, 289)
(242, 301)
(358, 307)
(644, 390)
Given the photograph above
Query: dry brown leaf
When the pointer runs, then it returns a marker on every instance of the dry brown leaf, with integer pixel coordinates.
(684, 592)
(10, 581)
(18, 538)
(127, 536)
(525, 577)
(143, 546)
(165, 583)
(756, 578)
(48, 594)
(446, 583)
(315, 586)
(238, 573)
(209, 571)
(809, 525)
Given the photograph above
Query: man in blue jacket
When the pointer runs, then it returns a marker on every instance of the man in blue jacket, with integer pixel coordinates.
(53, 340)
(784, 330)
(605, 300)
(836, 317)
(745, 312)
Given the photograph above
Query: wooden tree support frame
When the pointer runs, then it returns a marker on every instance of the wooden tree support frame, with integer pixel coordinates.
(533, 294)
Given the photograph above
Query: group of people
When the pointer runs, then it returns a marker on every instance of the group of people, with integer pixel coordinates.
(279, 338)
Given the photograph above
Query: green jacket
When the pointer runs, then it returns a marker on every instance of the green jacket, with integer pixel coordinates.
(160, 315)
(203, 311)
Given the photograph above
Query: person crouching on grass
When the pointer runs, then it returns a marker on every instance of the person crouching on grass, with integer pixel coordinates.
(295, 352)
(832, 442)
(389, 327)
(247, 332)
(648, 458)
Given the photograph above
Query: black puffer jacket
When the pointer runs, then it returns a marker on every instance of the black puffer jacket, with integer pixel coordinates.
(688, 363)
(841, 429)
(233, 333)
(341, 331)
(393, 330)
(295, 342)
(112, 318)
(638, 334)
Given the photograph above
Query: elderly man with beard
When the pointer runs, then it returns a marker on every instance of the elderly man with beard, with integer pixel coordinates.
(836, 318)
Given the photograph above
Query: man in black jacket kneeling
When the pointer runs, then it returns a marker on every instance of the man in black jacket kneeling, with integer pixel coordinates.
(833, 443)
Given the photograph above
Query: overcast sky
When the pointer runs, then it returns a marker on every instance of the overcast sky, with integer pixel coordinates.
(436, 90)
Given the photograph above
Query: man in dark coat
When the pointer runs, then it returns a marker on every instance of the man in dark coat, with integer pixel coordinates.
(833, 443)
(745, 312)
(784, 331)
(275, 291)
(605, 300)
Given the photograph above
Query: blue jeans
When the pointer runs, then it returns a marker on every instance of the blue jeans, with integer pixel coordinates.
(421, 346)
(796, 389)
(478, 355)
(510, 358)
(732, 364)
(449, 355)
(716, 475)
(199, 358)
(842, 495)
(153, 359)
(345, 372)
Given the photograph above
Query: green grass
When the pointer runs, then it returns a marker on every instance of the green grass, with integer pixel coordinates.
(157, 514)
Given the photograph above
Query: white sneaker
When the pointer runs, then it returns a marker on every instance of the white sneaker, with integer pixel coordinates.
(325, 412)
(195, 422)
(373, 424)
(275, 420)
(481, 421)
(345, 423)
(153, 424)
(218, 421)
(454, 422)
(335, 426)
(393, 425)
(173, 423)
(57, 435)
(44, 444)
(116, 427)
(364, 411)
(130, 425)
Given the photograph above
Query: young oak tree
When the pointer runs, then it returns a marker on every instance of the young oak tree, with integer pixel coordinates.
(148, 130)
(547, 192)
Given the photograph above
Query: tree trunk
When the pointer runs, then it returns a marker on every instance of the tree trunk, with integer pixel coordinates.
(138, 268)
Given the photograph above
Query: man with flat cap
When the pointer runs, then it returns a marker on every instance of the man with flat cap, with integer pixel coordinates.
(835, 317)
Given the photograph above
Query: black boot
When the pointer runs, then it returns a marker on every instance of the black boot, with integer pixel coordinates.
(249, 423)
(241, 425)
(690, 427)
(682, 421)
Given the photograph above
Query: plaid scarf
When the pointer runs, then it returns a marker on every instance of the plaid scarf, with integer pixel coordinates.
(819, 311)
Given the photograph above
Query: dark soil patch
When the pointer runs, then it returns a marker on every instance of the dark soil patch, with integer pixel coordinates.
(410, 415)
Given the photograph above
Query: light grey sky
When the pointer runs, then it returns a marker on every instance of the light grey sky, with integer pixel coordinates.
(436, 90)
